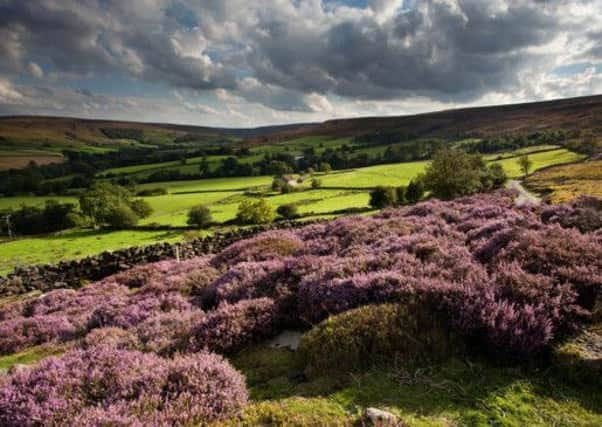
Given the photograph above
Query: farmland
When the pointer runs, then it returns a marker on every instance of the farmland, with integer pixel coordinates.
(341, 190)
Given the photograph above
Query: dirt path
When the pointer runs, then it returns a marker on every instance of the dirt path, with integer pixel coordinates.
(524, 196)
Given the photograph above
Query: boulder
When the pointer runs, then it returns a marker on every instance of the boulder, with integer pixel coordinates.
(379, 418)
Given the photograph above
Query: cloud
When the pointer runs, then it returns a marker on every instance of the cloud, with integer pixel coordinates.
(311, 58)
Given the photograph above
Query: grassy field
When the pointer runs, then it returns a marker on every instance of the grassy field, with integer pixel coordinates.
(566, 182)
(74, 244)
(340, 190)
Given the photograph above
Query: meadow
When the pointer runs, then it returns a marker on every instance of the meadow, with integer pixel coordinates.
(341, 190)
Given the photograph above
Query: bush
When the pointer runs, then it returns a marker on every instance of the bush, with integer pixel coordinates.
(121, 217)
(382, 197)
(232, 326)
(258, 212)
(288, 211)
(374, 334)
(199, 216)
(316, 183)
(400, 194)
(141, 208)
(415, 191)
(123, 385)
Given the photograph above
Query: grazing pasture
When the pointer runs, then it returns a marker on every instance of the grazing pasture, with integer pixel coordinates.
(566, 182)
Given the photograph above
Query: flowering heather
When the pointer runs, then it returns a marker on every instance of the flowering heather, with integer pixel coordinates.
(103, 384)
(232, 326)
(511, 280)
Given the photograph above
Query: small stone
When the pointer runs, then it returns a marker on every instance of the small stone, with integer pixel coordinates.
(379, 418)
(287, 339)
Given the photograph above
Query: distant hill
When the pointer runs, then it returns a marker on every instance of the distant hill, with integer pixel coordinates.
(584, 114)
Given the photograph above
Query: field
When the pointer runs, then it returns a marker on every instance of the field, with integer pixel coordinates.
(563, 183)
(345, 189)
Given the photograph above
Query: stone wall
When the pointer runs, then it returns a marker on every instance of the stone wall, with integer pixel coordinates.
(71, 274)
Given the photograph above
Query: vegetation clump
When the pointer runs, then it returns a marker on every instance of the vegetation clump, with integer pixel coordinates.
(199, 216)
(377, 334)
(255, 212)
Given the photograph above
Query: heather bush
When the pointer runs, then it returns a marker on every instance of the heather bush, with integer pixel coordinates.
(406, 333)
(163, 332)
(113, 337)
(20, 333)
(103, 385)
(232, 326)
(268, 245)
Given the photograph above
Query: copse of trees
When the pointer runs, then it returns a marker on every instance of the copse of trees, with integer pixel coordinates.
(29, 220)
(109, 205)
(453, 173)
(382, 197)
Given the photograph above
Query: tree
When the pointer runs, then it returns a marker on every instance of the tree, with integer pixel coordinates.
(204, 168)
(287, 211)
(415, 191)
(454, 173)
(324, 167)
(400, 195)
(112, 205)
(141, 208)
(316, 183)
(199, 216)
(525, 163)
(258, 212)
(382, 197)
(497, 176)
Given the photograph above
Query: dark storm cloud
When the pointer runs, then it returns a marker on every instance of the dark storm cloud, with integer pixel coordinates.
(436, 50)
(278, 53)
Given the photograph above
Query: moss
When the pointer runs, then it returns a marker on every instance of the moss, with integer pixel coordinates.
(375, 334)
(296, 411)
(456, 392)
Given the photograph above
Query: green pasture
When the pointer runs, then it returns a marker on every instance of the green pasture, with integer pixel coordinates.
(540, 160)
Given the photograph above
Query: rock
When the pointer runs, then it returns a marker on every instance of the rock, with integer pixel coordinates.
(287, 339)
(581, 357)
(379, 418)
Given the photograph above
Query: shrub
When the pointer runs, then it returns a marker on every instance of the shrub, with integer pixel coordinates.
(199, 216)
(400, 195)
(103, 384)
(415, 191)
(316, 183)
(20, 333)
(149, 192)
(381, 197)
(121, 217)
(141, 208)
(112, 337)
(375, 334)
(288, 211)
(233, 326)
(258, 212)
(163, 332)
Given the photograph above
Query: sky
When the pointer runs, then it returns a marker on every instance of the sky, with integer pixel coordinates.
(245, 63)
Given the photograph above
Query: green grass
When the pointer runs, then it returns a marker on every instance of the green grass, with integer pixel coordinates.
(372, 176)
(74, 244)
(30, 356)
(540, 160)
(458, 392)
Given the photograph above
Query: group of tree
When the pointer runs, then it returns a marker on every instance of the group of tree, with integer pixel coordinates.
(382, 197)
(28, 220)
(112, 206)
(453, 173)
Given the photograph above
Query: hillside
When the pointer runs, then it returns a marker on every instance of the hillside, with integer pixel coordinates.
(468, 312)
(584, 113)
(42, 139)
